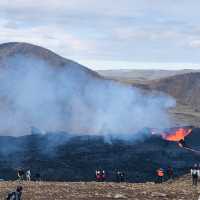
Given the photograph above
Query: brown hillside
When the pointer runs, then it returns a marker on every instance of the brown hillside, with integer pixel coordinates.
(185, 88)
(17, 48)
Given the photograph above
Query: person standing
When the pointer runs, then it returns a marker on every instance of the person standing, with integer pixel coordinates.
(170, 173)
(20, 174)
(103, 175)
(160, 175)
(120, 176)
(28, 175)
(195, 174)
(98, 175)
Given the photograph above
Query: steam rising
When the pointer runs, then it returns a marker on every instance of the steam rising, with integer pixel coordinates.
(52, 98)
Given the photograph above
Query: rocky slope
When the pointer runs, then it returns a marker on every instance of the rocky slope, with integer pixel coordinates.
(185, 88)
(76, 158)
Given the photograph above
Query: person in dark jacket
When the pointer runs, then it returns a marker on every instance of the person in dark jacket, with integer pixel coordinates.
(20, 174)
(170, 173)
(37, 176)
(103, 175)
(195, 172)
(120, 176)
(16, 195)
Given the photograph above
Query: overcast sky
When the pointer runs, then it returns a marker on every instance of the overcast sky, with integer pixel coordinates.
(107, 34)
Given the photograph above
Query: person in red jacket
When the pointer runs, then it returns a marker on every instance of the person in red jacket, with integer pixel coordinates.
(160, 175)
(98, 175)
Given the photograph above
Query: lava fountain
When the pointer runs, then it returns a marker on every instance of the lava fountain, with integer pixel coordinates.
(176, 134)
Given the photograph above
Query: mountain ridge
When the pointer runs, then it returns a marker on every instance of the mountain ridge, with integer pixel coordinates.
(21, 48)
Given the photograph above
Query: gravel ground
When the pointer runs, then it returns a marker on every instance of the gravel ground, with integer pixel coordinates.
(177, 190)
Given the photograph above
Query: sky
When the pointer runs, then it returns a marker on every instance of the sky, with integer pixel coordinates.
(109, 34)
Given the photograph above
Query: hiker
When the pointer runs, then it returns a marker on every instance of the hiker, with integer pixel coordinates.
(16, 195)
(28, 175)
(20, 174)
(160, 175)
(120, 176)
(98, 175)
(170, 173)
(195, 174)
(37, 177)
(103, 175)
(118, 173)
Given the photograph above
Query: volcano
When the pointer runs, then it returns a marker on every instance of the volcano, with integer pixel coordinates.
(76, 158)
(176, 134)
(79, 111)
(39, 88)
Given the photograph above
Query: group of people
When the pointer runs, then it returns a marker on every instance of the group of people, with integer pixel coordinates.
(101, 175)
(21, 175)
(164, 174)
(169, 174)
(26, 175)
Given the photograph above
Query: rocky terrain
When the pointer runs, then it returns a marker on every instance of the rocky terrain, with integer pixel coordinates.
(75, 158)
(179, 189)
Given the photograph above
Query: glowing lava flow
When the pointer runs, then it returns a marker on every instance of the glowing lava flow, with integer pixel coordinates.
(176, 134)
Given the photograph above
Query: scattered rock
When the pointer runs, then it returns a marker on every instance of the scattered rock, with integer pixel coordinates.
(158, 194)
(120, 196)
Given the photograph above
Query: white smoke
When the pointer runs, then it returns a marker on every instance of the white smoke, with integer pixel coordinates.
(55, 98)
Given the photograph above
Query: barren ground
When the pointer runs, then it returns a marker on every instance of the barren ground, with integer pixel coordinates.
(180, 189)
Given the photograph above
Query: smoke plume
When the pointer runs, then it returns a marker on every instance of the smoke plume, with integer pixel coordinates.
(55, 98)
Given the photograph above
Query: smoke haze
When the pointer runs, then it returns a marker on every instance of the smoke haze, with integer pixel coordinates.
(52, 98)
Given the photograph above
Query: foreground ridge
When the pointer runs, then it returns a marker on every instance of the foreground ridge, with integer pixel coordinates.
(178, 189)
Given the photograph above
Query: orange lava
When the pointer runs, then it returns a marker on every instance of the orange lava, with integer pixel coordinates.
(177, 134)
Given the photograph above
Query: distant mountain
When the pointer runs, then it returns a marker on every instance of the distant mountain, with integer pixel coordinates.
(183, 85)
(141, 76)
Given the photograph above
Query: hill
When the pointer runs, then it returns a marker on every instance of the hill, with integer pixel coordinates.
(12, 49)
(183, 85)
(185, 89)
(141, 76)
(176, 190)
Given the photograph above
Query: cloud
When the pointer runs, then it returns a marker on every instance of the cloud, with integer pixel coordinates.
(146, 30)
(195, 43)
